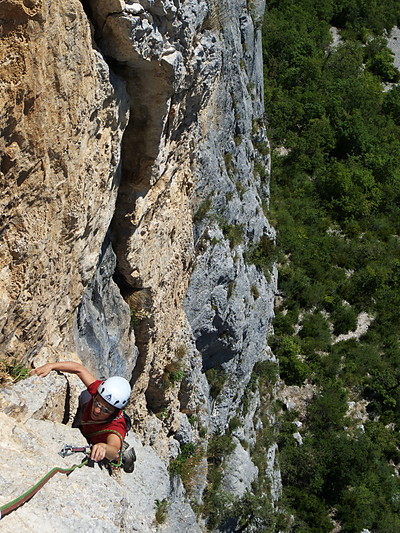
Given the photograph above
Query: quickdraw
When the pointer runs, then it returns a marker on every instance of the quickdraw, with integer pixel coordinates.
(69, 449)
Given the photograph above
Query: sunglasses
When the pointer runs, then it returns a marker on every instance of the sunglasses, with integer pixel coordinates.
(102, 408)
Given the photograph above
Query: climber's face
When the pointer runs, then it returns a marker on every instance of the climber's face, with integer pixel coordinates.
(101, 410)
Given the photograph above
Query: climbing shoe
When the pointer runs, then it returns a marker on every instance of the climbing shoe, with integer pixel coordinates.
(128, 460)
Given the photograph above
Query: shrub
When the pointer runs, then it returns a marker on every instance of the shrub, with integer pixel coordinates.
(315, 328)
(327, 410)
(267, 371)
(344, 319)
(292, 369)
(311, 514)
(216, 378)
(284, 322)
(218, 504)
(379, 60)
(219, 447)
(263, 254)
(391, 104)
(234, 233)
(187, 464)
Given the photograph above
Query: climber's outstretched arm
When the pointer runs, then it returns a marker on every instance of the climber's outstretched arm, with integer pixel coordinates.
(66, 366)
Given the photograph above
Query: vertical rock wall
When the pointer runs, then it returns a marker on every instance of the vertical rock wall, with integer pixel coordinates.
(61, 121)
(132, 240)
(230, 302)
(193, 71)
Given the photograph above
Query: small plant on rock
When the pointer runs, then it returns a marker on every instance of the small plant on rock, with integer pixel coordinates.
(173, 374)
(12, 372)
(137, 315)
(161, 511)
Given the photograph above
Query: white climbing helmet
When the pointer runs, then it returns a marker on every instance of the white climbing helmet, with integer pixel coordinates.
(115, 391)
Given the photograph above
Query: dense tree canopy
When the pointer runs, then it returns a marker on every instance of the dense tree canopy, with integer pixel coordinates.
(334, 121)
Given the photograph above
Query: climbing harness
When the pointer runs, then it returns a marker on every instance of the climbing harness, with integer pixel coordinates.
(14, 504)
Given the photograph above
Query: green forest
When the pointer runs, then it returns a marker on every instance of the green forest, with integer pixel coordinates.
(333, 113)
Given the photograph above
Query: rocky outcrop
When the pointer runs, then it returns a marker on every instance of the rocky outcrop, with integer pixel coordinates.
(88, 497)
(394, 45)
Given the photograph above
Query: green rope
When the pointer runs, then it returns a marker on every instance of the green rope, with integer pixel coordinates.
(14, 504)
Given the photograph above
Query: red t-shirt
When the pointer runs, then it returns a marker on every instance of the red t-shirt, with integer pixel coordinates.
(117, 425)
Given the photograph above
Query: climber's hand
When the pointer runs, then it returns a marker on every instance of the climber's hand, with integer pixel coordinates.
(42, 371)
(99, 451)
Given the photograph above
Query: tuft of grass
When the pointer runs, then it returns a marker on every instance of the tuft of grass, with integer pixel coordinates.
(181, 351)
(12, 371)
(235, 423)
(261, 170)
(218, 505)
(161, 511)
(233, 233)
(193, 420)
(255, 291)
(219, 447)
(173, 374)
(178, 464)
(187, 465)
(241, 189)
(203, 210)
(137, 315)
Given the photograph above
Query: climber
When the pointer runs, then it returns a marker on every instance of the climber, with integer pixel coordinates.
(101, 419)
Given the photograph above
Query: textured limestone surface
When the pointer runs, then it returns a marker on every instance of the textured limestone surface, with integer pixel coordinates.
(130, 240)
(89, 498)
(240, 471)
(229, 302)
(62, 115)
(103, 334)
(44, 401)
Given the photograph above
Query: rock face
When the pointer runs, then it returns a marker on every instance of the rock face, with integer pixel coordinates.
(135, 167)
(62, 117)
(88, 497)
(104, 338)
